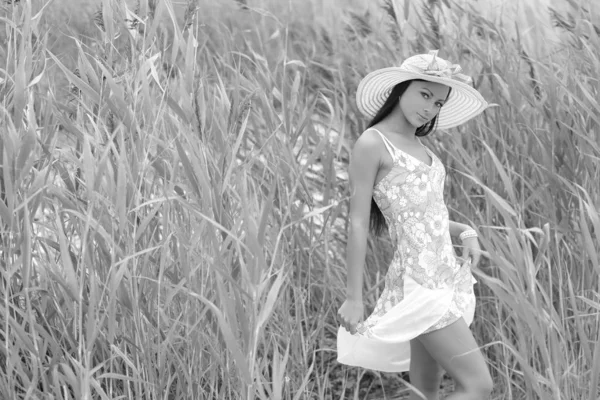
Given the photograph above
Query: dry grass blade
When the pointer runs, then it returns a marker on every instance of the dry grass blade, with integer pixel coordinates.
(232, 345)
(502, 205)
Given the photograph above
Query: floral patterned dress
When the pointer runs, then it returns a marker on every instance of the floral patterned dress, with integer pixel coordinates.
(426, 288)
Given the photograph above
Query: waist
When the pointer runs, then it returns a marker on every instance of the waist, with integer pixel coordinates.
(432, 269)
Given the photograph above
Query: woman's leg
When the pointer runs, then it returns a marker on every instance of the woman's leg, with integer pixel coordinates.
(425, 373)
(456, 351)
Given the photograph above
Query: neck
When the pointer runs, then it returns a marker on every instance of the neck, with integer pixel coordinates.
(397, 123)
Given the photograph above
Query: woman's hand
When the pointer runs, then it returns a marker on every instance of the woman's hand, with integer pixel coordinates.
(471, 250)
(350, 314)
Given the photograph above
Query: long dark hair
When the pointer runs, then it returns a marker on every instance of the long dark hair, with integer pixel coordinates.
(377, 221)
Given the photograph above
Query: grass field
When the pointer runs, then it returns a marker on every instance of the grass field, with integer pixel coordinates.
(174, 194)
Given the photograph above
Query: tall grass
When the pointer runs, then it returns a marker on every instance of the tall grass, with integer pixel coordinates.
(173, 219)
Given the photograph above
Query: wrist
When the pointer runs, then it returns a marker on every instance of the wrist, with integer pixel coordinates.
(354, 297)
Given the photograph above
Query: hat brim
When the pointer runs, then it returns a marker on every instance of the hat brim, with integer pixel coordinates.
(463, 103)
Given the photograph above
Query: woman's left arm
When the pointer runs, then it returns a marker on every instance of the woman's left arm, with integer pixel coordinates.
(470, 245)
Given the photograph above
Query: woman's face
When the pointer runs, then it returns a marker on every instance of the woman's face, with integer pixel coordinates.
(422, 101)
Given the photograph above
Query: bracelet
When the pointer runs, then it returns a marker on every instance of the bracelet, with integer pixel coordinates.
(469, 233)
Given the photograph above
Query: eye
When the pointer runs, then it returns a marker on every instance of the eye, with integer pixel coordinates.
(425, 95)
(439, 105)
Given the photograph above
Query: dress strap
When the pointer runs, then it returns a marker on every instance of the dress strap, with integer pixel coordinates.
(388, 144)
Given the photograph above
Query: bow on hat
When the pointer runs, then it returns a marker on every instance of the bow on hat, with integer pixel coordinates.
(451, 71)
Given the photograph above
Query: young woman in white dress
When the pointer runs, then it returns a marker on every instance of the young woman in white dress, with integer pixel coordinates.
(421, 321)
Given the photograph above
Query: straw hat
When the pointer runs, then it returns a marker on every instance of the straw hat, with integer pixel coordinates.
(463, 104)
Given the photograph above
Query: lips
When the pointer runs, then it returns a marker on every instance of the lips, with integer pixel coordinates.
(422, 117)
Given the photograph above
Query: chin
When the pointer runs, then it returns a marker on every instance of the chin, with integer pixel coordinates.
(417, 123)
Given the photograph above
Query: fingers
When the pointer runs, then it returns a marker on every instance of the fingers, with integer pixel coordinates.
(350, 327)
(466, 254)
(347, 325)
(475, 259)
(474, 254)
(353, 327)
(342, 321)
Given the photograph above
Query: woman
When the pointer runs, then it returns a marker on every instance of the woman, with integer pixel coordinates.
(421, 321)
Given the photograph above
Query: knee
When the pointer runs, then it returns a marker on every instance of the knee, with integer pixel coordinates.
(486, 385)
(480, 388)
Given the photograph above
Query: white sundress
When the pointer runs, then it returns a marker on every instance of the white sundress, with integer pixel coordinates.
(426, 288)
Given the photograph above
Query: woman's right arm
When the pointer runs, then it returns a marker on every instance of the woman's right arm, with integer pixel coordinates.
(364, 164)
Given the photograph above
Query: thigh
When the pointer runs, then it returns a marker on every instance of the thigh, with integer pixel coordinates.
(425, 372)
(456, 351)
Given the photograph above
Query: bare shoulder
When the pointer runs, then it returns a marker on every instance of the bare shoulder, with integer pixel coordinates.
(369, 143)
(366, 158)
